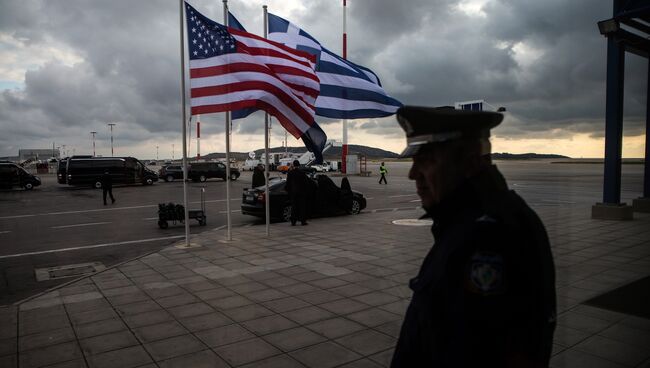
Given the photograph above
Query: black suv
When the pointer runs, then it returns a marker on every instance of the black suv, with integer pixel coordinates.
(202, 171)
(171, 172)
(12, 175)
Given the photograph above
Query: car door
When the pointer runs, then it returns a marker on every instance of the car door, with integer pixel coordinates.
(221, 171)
(5, 176)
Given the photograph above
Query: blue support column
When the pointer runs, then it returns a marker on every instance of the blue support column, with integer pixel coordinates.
(642, 204)
(614, 122)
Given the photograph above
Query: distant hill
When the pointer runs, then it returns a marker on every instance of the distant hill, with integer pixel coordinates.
(332, 153)
(524, 156)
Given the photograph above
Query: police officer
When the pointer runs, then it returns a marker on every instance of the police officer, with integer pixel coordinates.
(383, 172)
(107, 186)
(258, 176)
(298, 188)
(485, 293)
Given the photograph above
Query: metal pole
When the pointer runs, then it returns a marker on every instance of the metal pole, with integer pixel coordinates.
(344, 149)
(184, 114)
(198, 137)
(156, 153)
(93, 133)
(266, 147)
(111, 125)
(228, 232)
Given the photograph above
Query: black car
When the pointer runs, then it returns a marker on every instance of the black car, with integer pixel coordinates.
(198, 171)
(202, 171)
(12, 175)
(171, 172)
(325, 199)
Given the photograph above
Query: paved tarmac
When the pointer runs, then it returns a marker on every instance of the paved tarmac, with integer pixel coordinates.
(331, 294)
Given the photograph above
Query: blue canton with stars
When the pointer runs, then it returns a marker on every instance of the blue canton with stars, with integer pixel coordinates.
(207, 38)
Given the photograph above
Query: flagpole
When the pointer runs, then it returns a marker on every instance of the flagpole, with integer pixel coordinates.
(198, 137)
(184, 112)
(266, 145)
(344, 149)
(229, 233)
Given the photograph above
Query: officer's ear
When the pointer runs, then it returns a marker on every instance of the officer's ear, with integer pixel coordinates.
(473, 158)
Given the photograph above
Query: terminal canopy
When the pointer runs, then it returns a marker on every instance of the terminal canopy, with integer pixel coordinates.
(630, 25)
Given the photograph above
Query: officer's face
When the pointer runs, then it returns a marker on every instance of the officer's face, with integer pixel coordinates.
(435, 174)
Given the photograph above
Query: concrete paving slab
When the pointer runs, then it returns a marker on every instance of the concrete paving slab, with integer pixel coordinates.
(134, 356)
(174, 347)
(201, 359)
(336, 355)
(246, 351)
(103, 327)
(47, 338)
(224, 335)
(111, 341)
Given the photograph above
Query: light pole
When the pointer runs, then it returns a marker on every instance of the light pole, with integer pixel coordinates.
(172, 152)
(156, 153)
(64, 152)
(111, 125)
(93, 133)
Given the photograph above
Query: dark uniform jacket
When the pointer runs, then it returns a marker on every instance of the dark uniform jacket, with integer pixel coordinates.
(298, 184)
(485, 293)
(107, 181)
(258, 178)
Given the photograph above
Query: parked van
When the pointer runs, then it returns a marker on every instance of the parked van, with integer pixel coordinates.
(123, 170)
(61, 171)
(12, 175)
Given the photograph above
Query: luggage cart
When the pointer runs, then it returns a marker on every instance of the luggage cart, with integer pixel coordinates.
(170, 212)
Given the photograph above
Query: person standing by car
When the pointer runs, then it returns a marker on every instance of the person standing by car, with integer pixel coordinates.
(298, 187)
(383, 172)
(258, 176)
(107, 186)
(485, 293)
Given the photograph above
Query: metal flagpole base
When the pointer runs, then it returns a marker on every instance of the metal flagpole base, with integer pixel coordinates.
(183, 245)
(226, 241)
(612, 211)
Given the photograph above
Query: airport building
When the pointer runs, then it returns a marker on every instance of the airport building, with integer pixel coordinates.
(37, 154)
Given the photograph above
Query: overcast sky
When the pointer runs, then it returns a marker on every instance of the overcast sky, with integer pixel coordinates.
(71, 67)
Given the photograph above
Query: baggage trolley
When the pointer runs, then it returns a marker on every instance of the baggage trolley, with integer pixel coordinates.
(170, 212)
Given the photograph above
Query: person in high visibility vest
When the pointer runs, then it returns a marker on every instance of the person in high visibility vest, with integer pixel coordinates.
(383, 171)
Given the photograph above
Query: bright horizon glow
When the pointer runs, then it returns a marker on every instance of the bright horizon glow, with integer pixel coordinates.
(578, 146)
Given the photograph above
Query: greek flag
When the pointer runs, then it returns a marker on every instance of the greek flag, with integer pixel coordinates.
(347, 90)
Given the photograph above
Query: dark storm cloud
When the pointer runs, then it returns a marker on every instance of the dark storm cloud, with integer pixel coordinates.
(446, 55)
(383, 127)
(129, 76)
(543, 60)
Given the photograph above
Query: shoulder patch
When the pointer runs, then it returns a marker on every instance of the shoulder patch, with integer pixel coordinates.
(485, 274)
(486, 218)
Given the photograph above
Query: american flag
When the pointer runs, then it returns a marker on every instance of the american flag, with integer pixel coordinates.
(231, 69)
